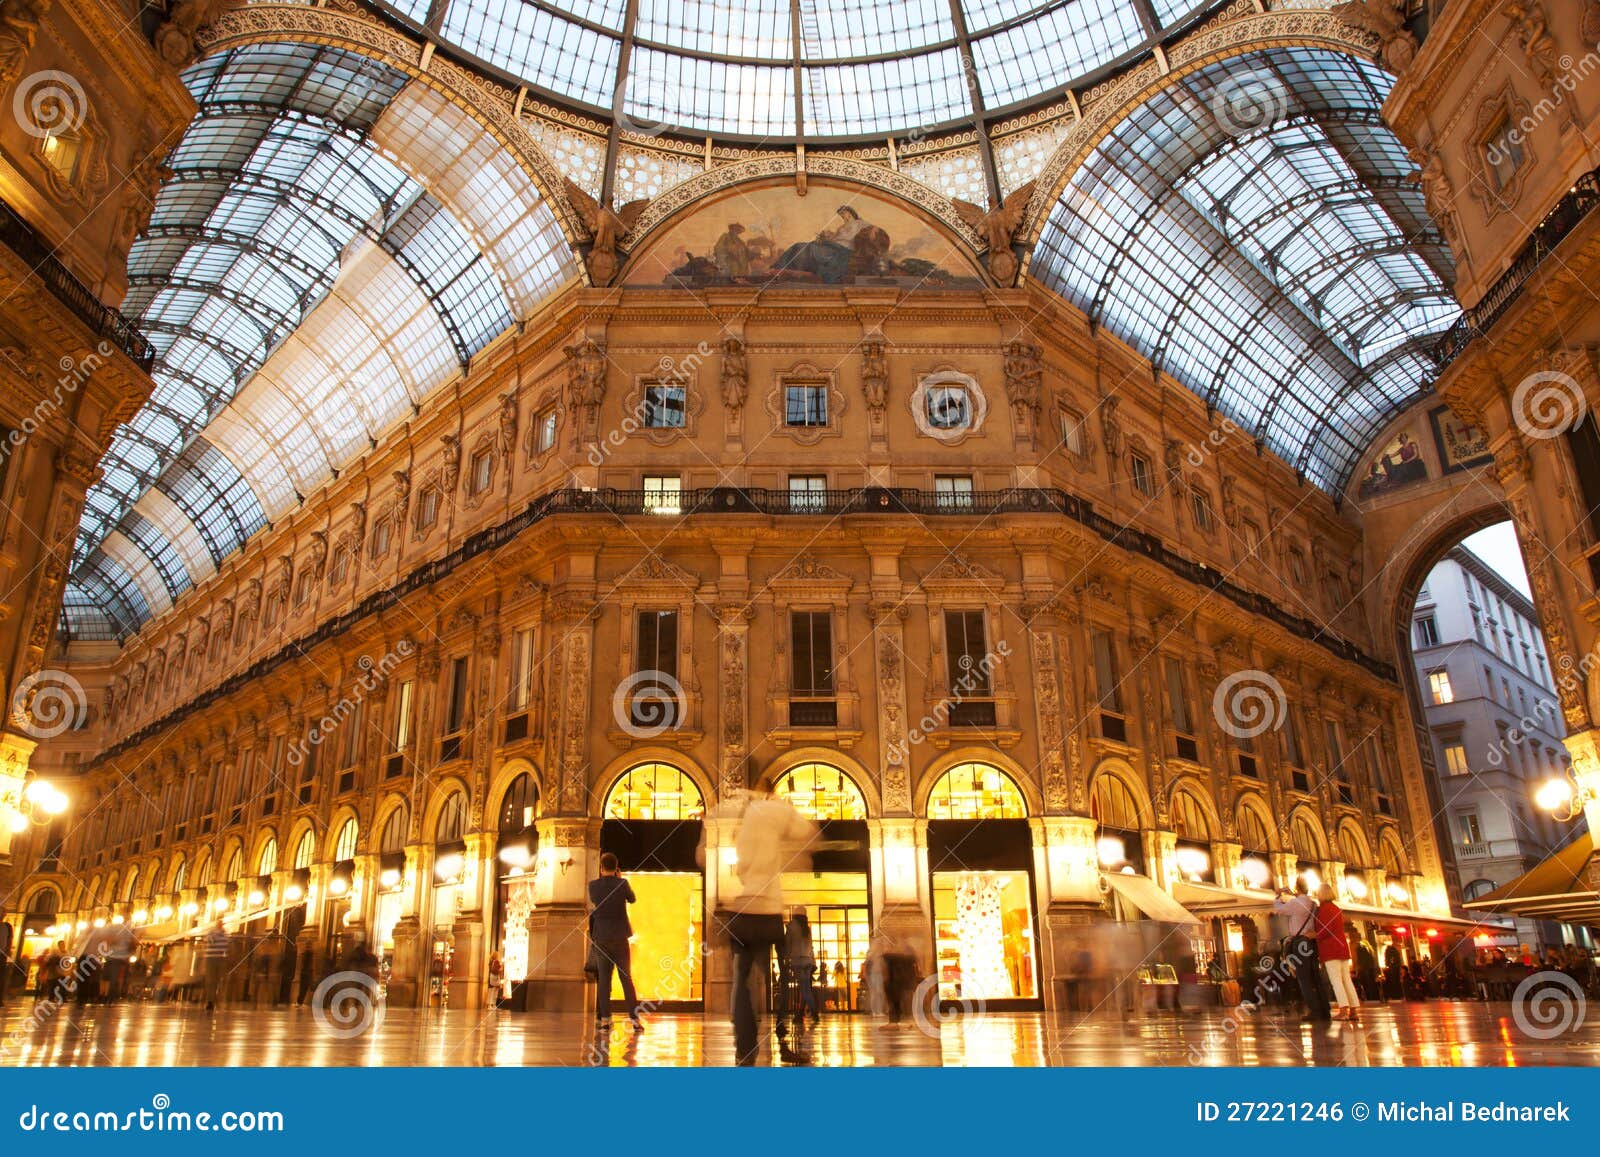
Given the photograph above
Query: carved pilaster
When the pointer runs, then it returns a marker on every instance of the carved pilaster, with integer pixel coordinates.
(888, 647)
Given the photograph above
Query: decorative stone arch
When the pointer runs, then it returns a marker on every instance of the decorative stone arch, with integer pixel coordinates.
(179, 864)
(1200, 791)
(1254, 804)
(441, 792)
(106, 895)
(1391, 848)
(130, 881)
(622, 764)
(1319, 833)
(853, 768)
(229, 846)
(342, 815)
(1032, 798)
(492, 104)
(32, 899)
(259, 845)
(153, 875)
(1351, 830)
(1123, 771)
(1108, 104)
(297, 833)
(501, 783)
(823, 170)
(387, 806)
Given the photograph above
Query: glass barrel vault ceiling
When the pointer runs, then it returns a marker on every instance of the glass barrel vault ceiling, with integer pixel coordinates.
(1255, 230)
(304, 289)
(864, 67)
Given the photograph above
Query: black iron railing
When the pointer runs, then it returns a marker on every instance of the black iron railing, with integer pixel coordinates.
(869, 501)
(21, 238)
(1549, 233)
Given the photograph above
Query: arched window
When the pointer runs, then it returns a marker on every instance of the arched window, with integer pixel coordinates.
(976, 791)
(130, 883)
(1252, 831)
(1393, 860)
(1478, 888)
(45, 902)
(180, 875)
(1189, 820)
(305, 852)
(655, 791)
(1303, 839)
(452, 819)
(235, 867)
(1112, 804)
(344, 847)
(820, 791)
(268, 863)
(520, 807)
(1352, 848)
(395, 829)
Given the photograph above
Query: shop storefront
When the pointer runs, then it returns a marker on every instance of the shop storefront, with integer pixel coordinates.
(449, 872)
(516, 849)
(389, 903)
(980, 860)
(836, 893)
(654, 817)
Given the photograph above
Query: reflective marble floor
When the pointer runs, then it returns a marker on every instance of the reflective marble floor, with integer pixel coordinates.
(1440, 1033)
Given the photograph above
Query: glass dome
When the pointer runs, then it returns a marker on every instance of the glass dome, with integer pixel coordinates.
(756, 69)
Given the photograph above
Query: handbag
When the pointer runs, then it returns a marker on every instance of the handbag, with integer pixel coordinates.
(592, 958)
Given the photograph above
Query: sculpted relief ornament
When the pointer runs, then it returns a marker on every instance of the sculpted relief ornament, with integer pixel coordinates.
(997, 225)
(1385, 19)
(606, 226)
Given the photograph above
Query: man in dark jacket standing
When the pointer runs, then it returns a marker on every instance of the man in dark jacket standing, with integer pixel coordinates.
(609, 929)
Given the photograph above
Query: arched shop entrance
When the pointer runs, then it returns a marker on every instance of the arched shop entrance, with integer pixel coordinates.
(516, 849)
(390, 905)
(980, 860)
(836, 894)
(449, 870)
(654, 816)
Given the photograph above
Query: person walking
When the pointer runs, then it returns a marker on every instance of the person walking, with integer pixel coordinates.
(1333, 949)
(772, 838)
(214, 951)
(802, 964)
(609, 930)
(1298, 913)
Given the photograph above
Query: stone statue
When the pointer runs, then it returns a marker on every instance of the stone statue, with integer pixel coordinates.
(875, 373)
(997, 225)
(19, 24)
(175, 39)
(1533, 32)
(1023, 375)
(1384, 19)
(506, 440)
(735, 374)
(606, 228)
(586, 363)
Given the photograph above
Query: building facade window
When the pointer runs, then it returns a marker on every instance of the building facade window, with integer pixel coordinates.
(663, 494)
(1439, 686)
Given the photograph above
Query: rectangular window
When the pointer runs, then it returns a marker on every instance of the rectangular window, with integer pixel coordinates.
(1252, 538)
(548, 421)
(1291, 739)
(428, 508)
(1469, 827)
(1427, 632)
(1455, 759)
(655, 697)
(663, 495)
(402, 716)
(953, 491)
(1105, 671)
(1502, 155)
(1143, 479)
(521, 670)
(350, 737)
(381, 536)
(811, 656)
(1177, 699)
(1072, 432)
(966, 653)
(1439, 686)
(805, 404)
(807, 492)
(481, 472)
(1200, 504)
(664, 406)
(455, 714)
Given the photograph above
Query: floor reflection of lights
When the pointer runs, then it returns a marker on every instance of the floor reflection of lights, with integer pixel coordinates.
(1431, 1034)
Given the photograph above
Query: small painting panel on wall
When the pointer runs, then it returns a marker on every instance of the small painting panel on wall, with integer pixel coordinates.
(1400, 464)
(1460, 446)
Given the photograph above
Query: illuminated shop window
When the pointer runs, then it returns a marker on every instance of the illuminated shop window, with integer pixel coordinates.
(821, 792)
(345, 847)
(268, 863)
(655, 791)
(976, 791)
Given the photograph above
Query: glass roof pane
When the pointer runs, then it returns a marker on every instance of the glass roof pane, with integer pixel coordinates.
(1310, 232)
(752, 29)
(840, 29)
(1021, 62)
(530, 42)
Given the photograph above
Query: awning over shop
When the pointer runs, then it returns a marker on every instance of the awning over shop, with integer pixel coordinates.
(1143, 894)
(1558, 888)
(1208, 900)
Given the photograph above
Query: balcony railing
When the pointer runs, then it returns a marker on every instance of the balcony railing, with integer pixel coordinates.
(719, 501)
(106, 322)
(1549, 233)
